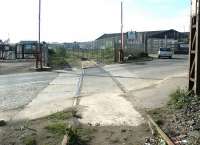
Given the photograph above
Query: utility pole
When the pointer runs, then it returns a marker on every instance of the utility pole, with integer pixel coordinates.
(194, 53)
(121, 53)
(145, 43)
(165, 41)
(39, 56)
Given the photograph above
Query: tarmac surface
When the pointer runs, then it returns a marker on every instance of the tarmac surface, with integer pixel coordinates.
(57, 96)
(149, 83)
(18, 90)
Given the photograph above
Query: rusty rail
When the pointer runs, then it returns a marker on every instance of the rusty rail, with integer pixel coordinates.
(159, 130)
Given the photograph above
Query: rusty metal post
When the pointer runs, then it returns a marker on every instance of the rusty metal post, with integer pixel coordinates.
(194, 53)
(145, 43)
(39, 52)
(197, 58)
(121, 54)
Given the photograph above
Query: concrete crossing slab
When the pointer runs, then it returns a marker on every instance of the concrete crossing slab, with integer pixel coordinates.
(109, 109)
(57, 96)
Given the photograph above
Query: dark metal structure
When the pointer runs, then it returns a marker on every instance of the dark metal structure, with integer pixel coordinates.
(171, 34)
(7, 51)
(194, 53)
(26, 50)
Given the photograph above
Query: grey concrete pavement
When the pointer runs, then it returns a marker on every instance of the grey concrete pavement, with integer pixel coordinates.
(17, 90)
(57, 96)
(150, 83)
(147, 84)
(16, 66)
(102, 101)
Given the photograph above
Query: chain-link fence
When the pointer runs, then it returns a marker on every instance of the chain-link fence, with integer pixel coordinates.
(99, 50)
(105, 50)
(154, 44)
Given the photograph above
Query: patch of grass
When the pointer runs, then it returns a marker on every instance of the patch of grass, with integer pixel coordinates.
(179, 98)
(85, 133)
(109, 56)
(159, 115)
(63, 115)
(58, 128)
(58, 61)
(29, 140)
(79, 136)
(60, 57)
(73, 136)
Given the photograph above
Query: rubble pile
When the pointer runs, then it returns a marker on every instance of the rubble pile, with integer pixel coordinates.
(184, 125)
(154, 140)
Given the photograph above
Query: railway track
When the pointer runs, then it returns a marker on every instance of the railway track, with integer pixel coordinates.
(80, 83)
(79, 87)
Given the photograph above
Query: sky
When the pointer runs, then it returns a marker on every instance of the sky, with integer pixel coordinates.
(86, 20)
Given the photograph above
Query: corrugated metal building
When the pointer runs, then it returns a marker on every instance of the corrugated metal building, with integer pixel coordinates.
(135, 41)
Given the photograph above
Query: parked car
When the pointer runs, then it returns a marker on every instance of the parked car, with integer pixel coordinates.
(182, 49)
(165, 52)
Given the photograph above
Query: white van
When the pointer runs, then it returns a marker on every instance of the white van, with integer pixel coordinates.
(165, 52)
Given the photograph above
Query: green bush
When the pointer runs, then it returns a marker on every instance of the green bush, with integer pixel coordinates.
(61, 52)
(179, 98)
(51, 52)
(78, 136)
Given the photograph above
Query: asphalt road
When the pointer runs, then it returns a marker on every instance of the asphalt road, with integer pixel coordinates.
(156, 69)
(17, 90)
(150, 83)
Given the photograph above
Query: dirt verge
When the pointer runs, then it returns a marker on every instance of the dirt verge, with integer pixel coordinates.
(51, 129)
(180, 119)
(16, 67)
